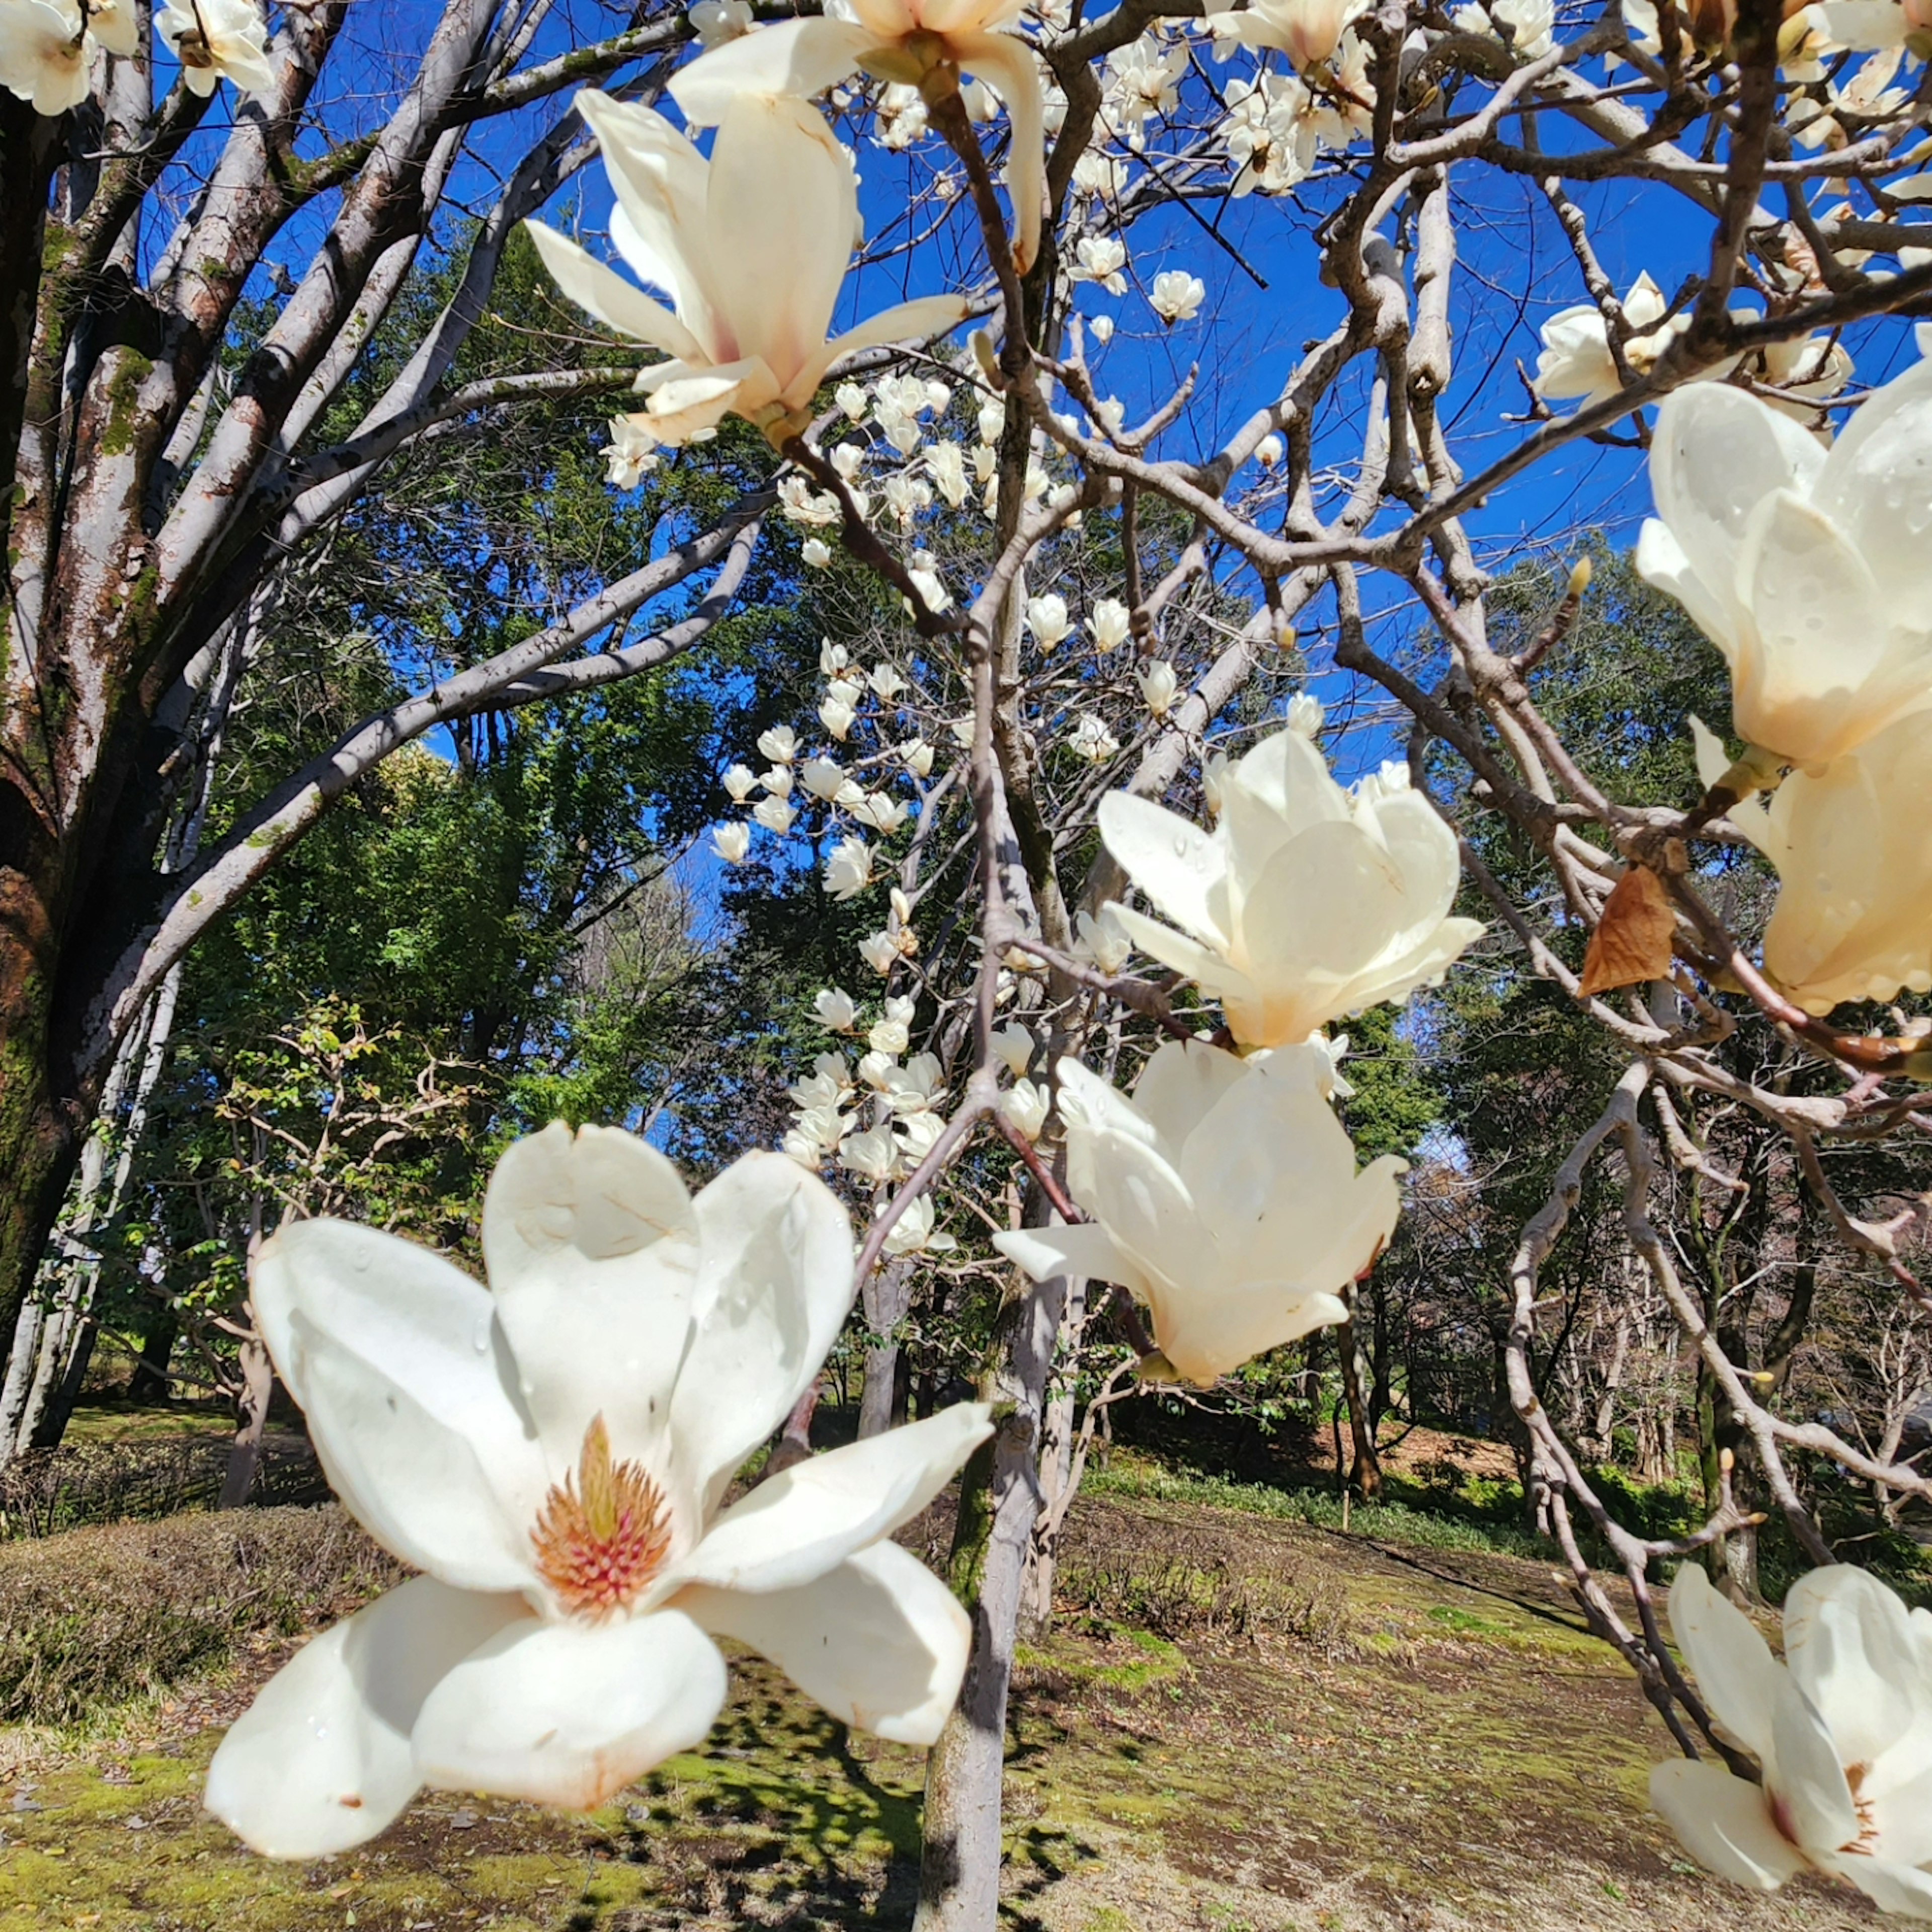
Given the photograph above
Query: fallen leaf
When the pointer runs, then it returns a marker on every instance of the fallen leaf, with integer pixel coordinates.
(1632, 942)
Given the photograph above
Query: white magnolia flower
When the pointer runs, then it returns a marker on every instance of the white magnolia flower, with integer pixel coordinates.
(836, 716)
(715, 22)
(1224, 1195)
(632, 452)
(44, 54)
(873, 1155)
(816, 553)
(883, 813)
(1305, 715)
(886, 682)
(946, 463)
(1026, 1104)
(917, 1132)
(1101, 258)
(916, 754)
(834, 1009)
(875, 1069)
(913, 1232)
(1111, 622)
(933, 592)
(1176, 295)
(732, 843)
(848, 870)
(740, 781)
(1101, 328)
(1305, 902)
(1870, 26)
(1842, 1729)
(1144, 81)
(217, 40)
(1853, 919)
(802, 505)
(751, 247)
(1308, 31)
(552, 1451)
(903, 41)
(890, 1035)
(917, 1086)
(1103, 940)
(880, 951)
(780, 744)
(1160, 687)
(775, 815)
(825, 1086)
(1015, 1045)
(1046, 618)
(1269, 451)
(1810, 570)
(1575, 362)
(777, 780)
(1091, 739)
(824, 778)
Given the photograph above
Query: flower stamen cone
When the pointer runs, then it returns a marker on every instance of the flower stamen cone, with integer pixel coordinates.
(604, 1532)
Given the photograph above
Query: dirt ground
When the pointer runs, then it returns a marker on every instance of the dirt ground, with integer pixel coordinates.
(1237, 1726)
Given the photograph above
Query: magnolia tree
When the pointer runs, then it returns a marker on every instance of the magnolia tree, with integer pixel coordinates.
(1121, 905)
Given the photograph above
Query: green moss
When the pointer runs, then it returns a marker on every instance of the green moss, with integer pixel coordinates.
(123, 402)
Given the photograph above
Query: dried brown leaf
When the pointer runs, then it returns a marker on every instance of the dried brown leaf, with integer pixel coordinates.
(1632, 942)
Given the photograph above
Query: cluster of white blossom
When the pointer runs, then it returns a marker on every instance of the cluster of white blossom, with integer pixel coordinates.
(47, 46)
(1810, 567)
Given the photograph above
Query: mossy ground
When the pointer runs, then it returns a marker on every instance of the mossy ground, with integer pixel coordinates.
(1398, 1737)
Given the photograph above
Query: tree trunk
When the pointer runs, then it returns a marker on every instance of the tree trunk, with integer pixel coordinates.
(258, 1382)
(959, 1874)
(1056, 1473)
(1365, 1472)
(150, 1382)
(886, 1297)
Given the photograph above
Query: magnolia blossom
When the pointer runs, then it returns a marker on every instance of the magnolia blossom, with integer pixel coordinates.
(1810, 570)
(777, 780)
(836, 714)
(911, 44)
(834, 1009)
(1101, 328)
(1015, 1045)
(824, 778)
(740, 781)
(1842, 1729)
(1159, 686)
(913, 1232)
(551, 1452)
(815, 553)
(1305, 902)
(1111, 623)
(775, 815)
(1576, 360)
(1868, 26)
(880, 951)
(1269, 450)
(633, 452)
(1308, 31)
(46, 48)
(1176, 295)
(1224, 1195)
(217, 40)
(1853, 919)
(732, 843)
(1046, 618)
(916, 754)
(1104, 940)
(1092, 740)
(1101, 258)
(751, 246)
(1025, 1105)
(779, 744)
(873, 1156)
(848, 869)
(715, 22)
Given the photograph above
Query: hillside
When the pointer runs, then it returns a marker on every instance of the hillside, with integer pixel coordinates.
(1239, 1723)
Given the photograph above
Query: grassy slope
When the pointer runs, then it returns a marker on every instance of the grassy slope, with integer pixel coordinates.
(1331, 1733)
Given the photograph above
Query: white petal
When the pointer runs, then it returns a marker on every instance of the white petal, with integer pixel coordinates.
(1661, 563)
(1188, 957)
(1904, 1889)
(1174, 862)
(591, 1243)
(1849, 1646)
(569, 1714)
(880, 1642)
(775, 1285)
(1011, 68)
(796, 1525)
(321, 1760)
(1723, 1823)
(1209, 1332)
(601, 292)
(1182, 1083)
(917, 321)
(1087, 1250)
(396, 1361)
(797, 57)
(1804, 1774)
(1876, 485)
(1737, 1676)
(783, 206)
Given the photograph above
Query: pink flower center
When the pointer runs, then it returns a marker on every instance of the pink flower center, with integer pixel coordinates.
(603, 1533)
